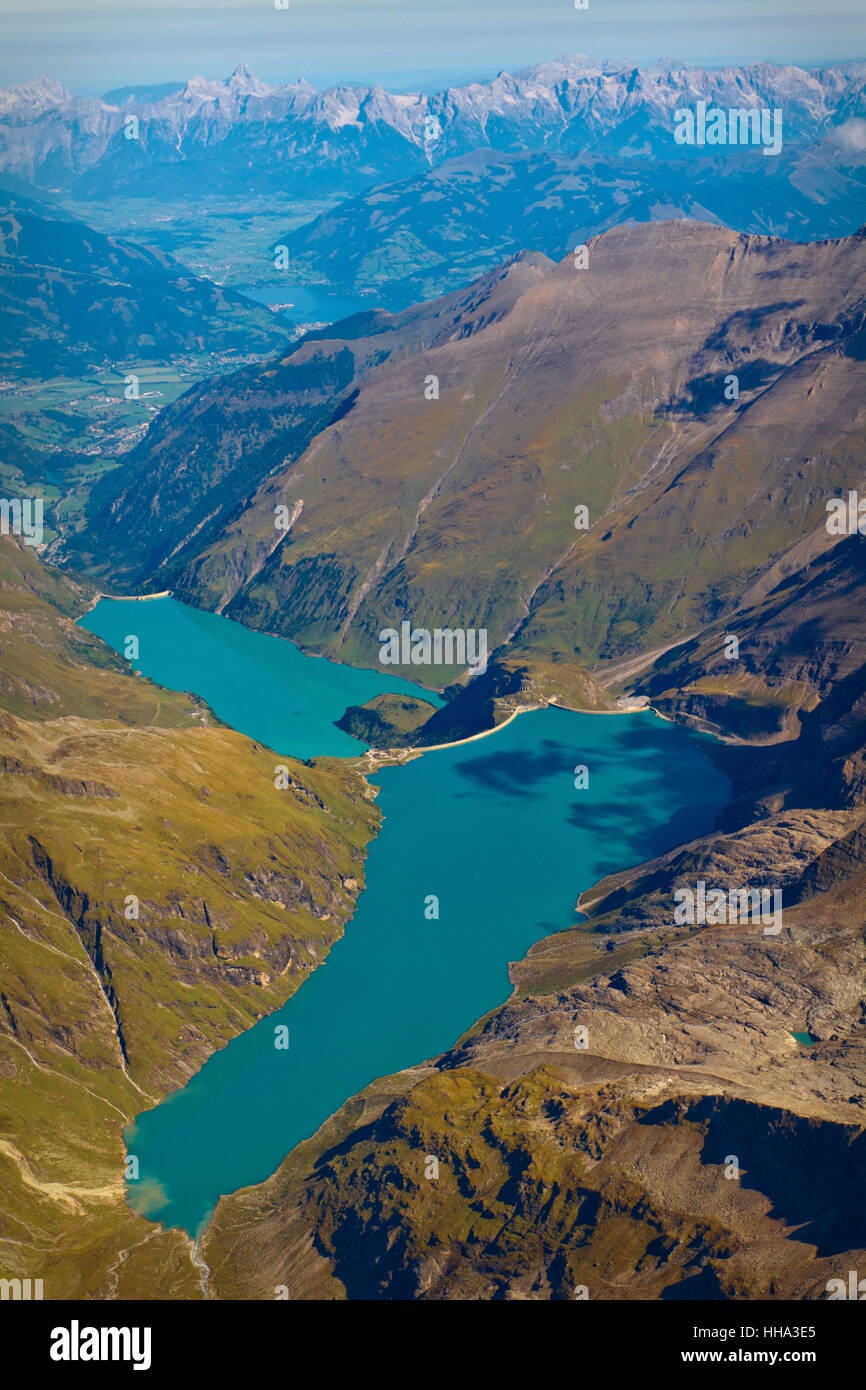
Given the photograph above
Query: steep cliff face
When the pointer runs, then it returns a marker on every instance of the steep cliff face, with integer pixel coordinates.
(160, 895)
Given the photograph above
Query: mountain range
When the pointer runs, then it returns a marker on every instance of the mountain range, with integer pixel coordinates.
(422, 236)
(242, 134)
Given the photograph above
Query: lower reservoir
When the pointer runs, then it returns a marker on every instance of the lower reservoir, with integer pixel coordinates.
(484, 849)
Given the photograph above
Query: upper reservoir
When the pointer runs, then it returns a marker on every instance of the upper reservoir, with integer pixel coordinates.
(264, 686)
(494, 832)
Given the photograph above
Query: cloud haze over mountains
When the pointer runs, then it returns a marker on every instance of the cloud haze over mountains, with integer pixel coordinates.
(404, 44)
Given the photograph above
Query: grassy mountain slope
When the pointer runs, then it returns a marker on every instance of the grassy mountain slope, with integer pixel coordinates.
(114, 788)
(425, 235)
(794, 645)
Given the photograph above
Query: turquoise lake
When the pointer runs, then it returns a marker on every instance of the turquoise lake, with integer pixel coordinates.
(494, 828)
(263, 686)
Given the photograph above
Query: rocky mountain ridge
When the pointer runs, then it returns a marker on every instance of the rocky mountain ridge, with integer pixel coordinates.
(350, 136)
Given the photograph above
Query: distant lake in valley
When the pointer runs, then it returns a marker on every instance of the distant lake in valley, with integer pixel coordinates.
(307, 304)
(494, 830)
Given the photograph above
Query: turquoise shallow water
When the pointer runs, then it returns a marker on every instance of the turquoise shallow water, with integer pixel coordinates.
(495, 829)
(262, 685)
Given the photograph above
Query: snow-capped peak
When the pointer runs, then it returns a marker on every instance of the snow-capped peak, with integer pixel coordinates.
(39, 94)
(243, 81)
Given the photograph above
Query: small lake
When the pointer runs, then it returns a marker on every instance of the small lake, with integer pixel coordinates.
(307, 304)
(495, 831)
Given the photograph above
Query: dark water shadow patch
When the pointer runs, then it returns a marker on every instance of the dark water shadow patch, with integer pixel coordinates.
(520, 771)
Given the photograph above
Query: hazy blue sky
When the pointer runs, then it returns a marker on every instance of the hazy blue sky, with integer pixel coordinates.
(94, 45)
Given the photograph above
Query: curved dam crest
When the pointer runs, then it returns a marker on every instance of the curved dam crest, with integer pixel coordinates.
(495, 832)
